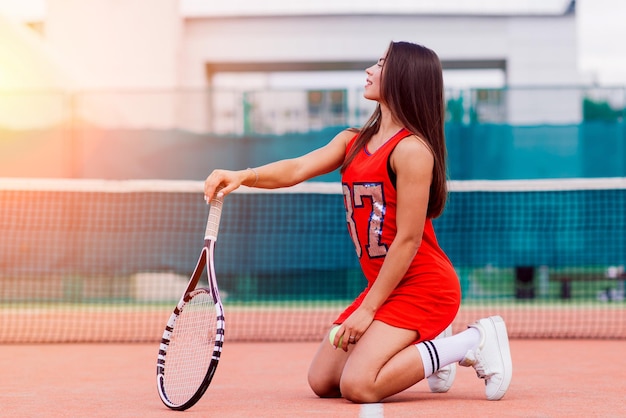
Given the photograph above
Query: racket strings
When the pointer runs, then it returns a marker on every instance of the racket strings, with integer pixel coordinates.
(191, 347)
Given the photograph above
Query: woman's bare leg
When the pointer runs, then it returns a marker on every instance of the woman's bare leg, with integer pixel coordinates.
(381, 364)
(384, 362)
(326, 368)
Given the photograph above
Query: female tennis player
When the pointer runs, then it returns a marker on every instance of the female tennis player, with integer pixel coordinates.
(394, 184)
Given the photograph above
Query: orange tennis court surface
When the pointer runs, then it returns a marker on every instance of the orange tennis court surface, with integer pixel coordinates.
(552, 378)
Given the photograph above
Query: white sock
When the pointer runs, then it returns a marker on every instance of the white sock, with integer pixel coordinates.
(443, 351)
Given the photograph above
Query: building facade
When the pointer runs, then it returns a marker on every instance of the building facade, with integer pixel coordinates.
(203, 66)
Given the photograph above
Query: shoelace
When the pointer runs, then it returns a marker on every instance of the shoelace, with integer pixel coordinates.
(476, 360)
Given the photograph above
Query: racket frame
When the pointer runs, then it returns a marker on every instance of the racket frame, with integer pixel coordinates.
(206, 259)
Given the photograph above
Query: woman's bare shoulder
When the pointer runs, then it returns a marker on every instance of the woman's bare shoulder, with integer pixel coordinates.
(414, 144)
(346, 135)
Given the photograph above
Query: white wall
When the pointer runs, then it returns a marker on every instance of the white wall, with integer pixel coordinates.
(129, 44)
(114, 47)
(33, 81)
(117, 47)
(538, 50)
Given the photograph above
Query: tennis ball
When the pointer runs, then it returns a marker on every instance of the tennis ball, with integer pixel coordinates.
(331, 336)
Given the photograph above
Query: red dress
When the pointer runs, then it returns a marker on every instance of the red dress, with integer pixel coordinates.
(428, 296)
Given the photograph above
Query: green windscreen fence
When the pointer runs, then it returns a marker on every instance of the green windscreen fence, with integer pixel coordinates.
(95, 260)
(475, 151)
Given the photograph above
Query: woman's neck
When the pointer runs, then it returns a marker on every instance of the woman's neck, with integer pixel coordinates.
(387, 128)
(388, 125)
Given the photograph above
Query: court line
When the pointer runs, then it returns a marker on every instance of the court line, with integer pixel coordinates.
(371, 410)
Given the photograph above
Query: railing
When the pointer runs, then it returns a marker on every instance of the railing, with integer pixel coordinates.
(263, 112)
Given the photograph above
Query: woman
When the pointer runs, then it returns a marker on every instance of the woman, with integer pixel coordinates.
(394, 184)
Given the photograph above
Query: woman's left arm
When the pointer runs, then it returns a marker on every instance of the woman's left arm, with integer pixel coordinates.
(412, 162)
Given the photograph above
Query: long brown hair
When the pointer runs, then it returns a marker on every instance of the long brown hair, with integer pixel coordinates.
(412, 89)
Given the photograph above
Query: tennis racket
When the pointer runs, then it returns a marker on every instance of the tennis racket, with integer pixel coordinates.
(192, 341)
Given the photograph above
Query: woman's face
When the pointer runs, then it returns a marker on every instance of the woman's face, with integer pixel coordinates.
(373, 81)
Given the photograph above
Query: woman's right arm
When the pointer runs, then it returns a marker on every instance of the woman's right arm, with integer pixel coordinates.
(282, 173)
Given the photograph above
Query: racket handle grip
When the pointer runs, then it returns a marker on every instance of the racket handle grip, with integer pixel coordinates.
(215, 213)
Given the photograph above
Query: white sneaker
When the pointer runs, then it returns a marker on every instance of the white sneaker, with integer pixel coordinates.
(442, 380)
(492, 358)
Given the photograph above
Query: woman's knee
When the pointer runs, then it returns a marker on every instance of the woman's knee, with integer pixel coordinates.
(358, 390)
(322, 386)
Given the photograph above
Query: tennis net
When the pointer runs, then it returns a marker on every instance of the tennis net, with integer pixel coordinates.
(105, 261)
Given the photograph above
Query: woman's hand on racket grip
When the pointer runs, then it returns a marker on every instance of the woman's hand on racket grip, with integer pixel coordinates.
(222, 182)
